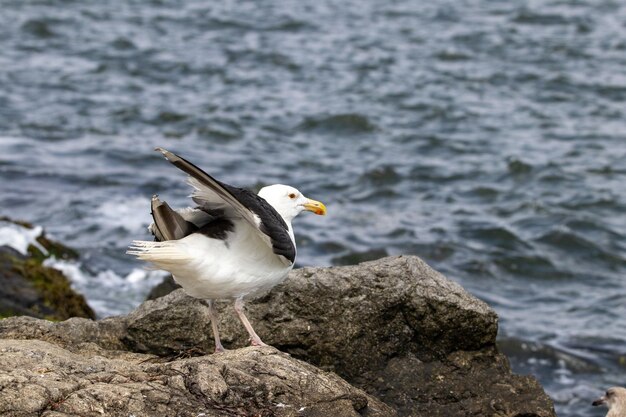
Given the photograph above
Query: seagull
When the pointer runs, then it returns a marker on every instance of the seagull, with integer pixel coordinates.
(615, 400)
(233, 244)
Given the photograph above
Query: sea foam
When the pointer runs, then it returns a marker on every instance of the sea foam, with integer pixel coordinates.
(20, 237)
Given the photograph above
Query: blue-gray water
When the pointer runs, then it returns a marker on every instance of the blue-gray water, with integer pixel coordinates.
(487, 137)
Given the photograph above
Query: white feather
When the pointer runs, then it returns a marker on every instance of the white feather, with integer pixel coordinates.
(157, 252)
(213, 268)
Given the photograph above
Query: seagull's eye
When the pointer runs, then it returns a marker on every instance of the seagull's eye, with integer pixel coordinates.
(292, 195)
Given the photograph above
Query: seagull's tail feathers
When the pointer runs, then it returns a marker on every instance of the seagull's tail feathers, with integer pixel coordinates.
(165, 255)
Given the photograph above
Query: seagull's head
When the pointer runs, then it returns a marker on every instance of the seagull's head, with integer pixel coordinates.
(289, 202)
(614, 397)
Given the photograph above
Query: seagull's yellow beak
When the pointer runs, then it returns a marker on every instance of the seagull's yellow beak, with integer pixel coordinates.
(315, 206)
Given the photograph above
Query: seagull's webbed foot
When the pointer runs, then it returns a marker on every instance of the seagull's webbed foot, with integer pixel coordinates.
(255, 340)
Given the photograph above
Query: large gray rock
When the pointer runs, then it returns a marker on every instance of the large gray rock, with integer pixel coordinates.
(350, 319)
(393, 327)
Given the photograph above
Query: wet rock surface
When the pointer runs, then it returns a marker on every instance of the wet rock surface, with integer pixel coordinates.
(394, 327)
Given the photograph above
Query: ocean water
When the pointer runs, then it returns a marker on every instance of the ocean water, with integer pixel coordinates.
(487, 137)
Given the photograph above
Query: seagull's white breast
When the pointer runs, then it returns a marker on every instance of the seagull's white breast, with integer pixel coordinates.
(241, 265)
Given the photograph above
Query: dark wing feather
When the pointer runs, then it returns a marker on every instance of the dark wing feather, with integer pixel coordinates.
(168, 224)
(173, 225)
(252, 208)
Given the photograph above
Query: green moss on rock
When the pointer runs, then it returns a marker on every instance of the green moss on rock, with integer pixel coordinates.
(27, 287)
(54, 289)
(53, 249)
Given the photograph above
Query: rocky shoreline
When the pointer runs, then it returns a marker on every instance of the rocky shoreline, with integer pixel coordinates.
(29, 287)
(382, 338)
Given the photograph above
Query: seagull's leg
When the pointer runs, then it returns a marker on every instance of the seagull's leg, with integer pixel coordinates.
(255, 340)
(216, 335)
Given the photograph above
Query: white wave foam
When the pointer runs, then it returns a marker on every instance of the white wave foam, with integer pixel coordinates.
(107, 292)
(70, 269)
(132, 214)
(20, 237)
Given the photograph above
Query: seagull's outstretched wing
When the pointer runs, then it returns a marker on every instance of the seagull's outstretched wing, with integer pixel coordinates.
(212, 194)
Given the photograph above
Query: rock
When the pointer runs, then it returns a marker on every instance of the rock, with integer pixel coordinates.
(30, 288)
(39, 378)
(393, 327)
(152, 328)
(165, 287)
(73, 334)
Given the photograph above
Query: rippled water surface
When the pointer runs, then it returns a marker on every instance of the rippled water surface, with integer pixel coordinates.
(487, 137)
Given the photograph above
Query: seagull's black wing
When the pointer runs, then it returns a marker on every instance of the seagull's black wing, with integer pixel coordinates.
(212, 194)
